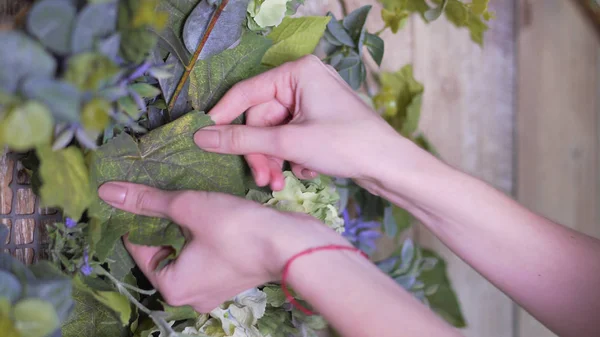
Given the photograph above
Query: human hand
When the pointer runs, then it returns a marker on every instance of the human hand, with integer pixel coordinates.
(305, 113)
(226, 252)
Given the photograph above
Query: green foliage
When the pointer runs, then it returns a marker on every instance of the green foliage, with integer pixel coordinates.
(51, 22)
(394, 19)
(165, 158)
(93, 23)
(267, 13)
(211, 78)
(461, 15)
(135, 22)
(65, 179)
(90, 71)
(26, 126)
(33, 300)
(294, 38)
(62, 98)
(443, 300)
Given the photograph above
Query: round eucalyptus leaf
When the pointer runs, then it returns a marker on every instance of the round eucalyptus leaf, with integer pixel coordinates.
(10, 287)
(60, 97)
(22, 57)
(35, 318)
(51, 21)
(93, 22)
(27, 126)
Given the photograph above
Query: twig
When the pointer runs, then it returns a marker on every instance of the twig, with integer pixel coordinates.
(190, 66)
(344, 8)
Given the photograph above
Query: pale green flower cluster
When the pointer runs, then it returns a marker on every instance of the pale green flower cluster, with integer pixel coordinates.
(316, 197)
(268, 13)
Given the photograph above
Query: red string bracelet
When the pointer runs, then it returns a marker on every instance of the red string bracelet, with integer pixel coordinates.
(286, 269)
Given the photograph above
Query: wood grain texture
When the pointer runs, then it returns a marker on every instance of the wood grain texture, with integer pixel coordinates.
(6, 176)
(557, 120)
(468, 113)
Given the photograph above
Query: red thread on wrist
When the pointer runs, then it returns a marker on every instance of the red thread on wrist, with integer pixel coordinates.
(286, 270)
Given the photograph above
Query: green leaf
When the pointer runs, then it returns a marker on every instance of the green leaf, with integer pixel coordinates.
(276, 322)
(412, 6)
(95, 21)
(120, 262)
(90, 71)
(461, 15)
(95, 115)
(165, 158)
(65, 180)
(118, 303)
(294, 38)
(51, 21)
(338, 32)
(402, 218)
(21, 57)
(10, 287)
(275, 296)
(413, 115)
(351, 69)
(434, 13)
(354, 23)
(60, 97)
(178, 12)
(168, 41)
(52, 286)
(128, 106)
(444, 301)
(375, 46)
(258, 196)
(211, 78)
(179, 313)
(27, 126)
(135, 22)
(226, 31)
(90, 317)
(394, 19)
(267, 13)
(145, 90)
(35, 318)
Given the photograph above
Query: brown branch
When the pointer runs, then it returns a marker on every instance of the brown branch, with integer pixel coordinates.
(190, 66)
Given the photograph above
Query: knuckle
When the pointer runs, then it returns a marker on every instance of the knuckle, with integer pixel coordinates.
(236, 138)
(141, 200)
(309, 61)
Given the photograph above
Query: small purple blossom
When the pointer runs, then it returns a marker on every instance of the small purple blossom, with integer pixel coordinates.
(140, 71)
(70, 223)
(362, 234)
(86, 269)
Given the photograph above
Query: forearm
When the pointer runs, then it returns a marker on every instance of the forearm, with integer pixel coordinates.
(551, 270)
(348, 291)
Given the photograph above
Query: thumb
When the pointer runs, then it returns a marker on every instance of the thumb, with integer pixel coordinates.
(241, 140)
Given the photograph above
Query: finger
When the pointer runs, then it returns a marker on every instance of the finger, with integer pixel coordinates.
(147, 258)
(271, 113)
(271, 85)
(259, 164)
(137, 199)
(277, 179)
(240, 139)
(302, 172)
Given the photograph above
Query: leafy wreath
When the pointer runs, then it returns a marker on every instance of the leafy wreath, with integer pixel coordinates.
(100, 90)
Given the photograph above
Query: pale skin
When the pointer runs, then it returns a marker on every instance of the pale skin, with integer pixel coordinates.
(304, 113)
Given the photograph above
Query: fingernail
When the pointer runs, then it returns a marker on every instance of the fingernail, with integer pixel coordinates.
(308, 173)
(113, 193)
(207, 139)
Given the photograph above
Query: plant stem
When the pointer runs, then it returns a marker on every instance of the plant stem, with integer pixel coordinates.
(344, 8)
(381, 30)
(190, 66)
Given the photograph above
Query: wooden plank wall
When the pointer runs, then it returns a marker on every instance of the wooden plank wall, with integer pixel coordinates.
(520, 114)
(557, 134)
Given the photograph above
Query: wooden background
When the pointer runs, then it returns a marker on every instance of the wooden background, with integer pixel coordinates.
(521, 113)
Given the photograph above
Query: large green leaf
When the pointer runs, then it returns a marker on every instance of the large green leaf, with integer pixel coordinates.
(444, 300)
(35, 318)
(95, 21)
(65, 180)
(22, 57)
(226, 31)
(120, 262)
(294, 38)
(90, 317)
(51, 21)
(166, 158)
(211, 78)
(27, 126)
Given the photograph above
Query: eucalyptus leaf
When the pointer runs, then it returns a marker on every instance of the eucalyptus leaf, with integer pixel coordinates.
(294, 38)
(65, 180)
(21, 57)
(337, 31)
(109, 46)
(56, 291)
(408, 252)
(15, 267)
(375, 46)
(390, 227)
(351, 69)
(165, 158)
(62, 98)
(51, 21)
(35, 318)
(94, 21)
(211, 78)
(354, 23)
(27, 126)
(10, 287)
(434, 13)
(226, 31)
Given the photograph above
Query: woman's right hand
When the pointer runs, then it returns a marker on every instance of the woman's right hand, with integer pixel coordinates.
(305, 113)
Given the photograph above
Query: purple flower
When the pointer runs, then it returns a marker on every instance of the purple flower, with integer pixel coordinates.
(362, 234)
(86, 269)
(70, 223)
